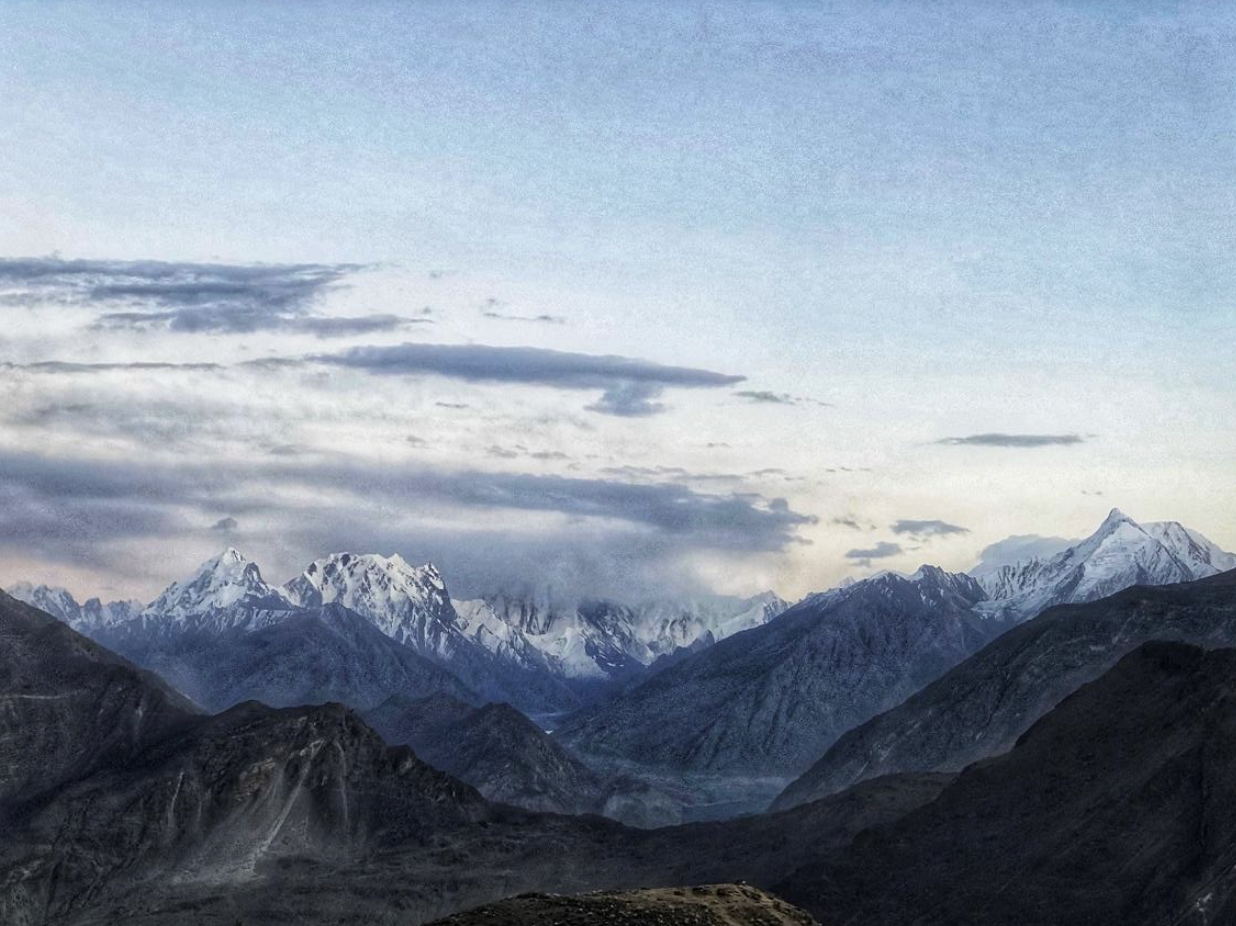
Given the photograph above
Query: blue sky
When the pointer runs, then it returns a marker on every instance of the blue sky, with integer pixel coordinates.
(908, 221)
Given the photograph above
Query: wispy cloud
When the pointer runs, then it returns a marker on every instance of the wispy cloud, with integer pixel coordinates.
(628, 386)
(922, 530)
(225, 525)
(851, 522)
(882, 550)
(997, 439)
(194, 298)
(767, 397)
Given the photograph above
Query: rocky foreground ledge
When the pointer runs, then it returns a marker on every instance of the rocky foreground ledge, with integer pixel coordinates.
(708, 905)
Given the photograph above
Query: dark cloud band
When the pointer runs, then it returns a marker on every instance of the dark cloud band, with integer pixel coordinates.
(881, 550)
(921, 530)
(997, 439)
(628, 387)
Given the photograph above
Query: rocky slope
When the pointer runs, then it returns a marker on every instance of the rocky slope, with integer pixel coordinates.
(320, 654)
(979, 708)
(68, 706)
(1118, 808)
(707, 905)
(303, 815)
(772, 699)
(494, 748)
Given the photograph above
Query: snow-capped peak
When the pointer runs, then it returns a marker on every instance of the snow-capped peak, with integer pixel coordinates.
(1196, 551)
(221, 582)
(56, 601)
(933, 584)
(401, 600)
(1120, 553)
(60, 603)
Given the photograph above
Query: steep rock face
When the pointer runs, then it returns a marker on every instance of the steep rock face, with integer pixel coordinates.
(494, 748)
(980, 707)
(1120, 554)
(770, 700)
(68, 706)
(320, 654)
(1118, 807)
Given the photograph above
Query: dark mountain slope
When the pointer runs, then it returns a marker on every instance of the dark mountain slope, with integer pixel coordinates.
(1118, 807)
(304, 815)
(323, 654)
(211, 803)
(494, 748)
(68, 706)
(770, 701)
(980, 707)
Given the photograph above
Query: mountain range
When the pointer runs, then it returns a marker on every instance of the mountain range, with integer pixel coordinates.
(545, 658)
(763, 706)
(662, 712)
(1116, 806)
(980, 707)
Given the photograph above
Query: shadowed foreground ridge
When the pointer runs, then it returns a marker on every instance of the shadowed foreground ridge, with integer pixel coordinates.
(708, 905)
(1118, 807)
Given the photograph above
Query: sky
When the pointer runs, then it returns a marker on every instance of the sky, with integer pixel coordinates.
(620, 299)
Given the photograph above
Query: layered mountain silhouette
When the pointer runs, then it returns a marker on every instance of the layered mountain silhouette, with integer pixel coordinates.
(983, 705)
(769, 701)
(1115, 807)
(495, 748)
(545, 658)
(697, 709)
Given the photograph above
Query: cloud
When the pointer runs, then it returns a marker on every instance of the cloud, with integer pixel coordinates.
(225, 524)
(765, 397)
(67, 367)
(881, 550)
(851, 522)
(628, 387)
(996, 439)
(1019, 548)
(74, 506)
(245, 320)
(194, 298)
(519, 451)
(629, 400)
(540, 319)
(922, 530)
